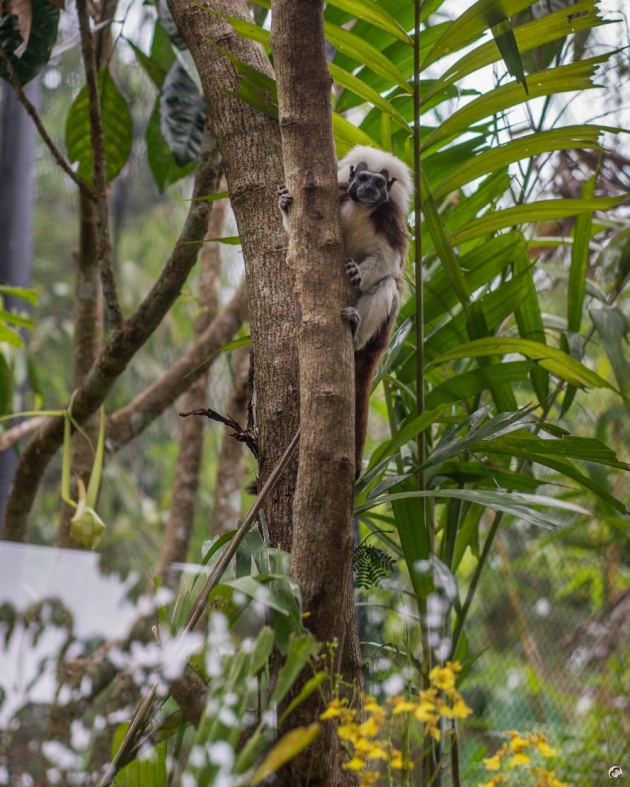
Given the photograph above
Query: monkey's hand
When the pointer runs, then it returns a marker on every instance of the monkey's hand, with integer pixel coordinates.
(353, 273)
(352, 316)
(285, 199)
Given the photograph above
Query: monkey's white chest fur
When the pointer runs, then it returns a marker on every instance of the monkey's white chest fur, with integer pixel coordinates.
(379, 267)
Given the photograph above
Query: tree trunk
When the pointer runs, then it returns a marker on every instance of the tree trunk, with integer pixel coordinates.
(250, 146)
(181, 519)
(227, 490)
(321, 557)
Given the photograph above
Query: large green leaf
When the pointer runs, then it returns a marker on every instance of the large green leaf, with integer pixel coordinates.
(564, 79)
(544, 210)
(613, 328)
(472, 23)
(555, 361)
(117, 128)
(161, 160)
(148, 772)
(555, 454)
(567, 138)
(41, 41)
(579, 16)
(580, 253)
(472, 382)
(182, 115)
(370, 11)
(519, 505)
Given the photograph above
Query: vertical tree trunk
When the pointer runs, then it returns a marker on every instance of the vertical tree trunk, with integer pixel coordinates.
(181, 519)
(88, 320)
(321, 557)
(227, 490)
(249, 142)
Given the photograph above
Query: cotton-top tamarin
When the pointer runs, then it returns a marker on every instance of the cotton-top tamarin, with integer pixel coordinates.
(375, 191)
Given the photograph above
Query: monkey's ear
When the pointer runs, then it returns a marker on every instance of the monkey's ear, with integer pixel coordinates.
(391, 182)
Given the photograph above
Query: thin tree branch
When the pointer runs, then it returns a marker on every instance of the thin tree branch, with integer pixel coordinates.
(28, 106)
(128, 422)
(240, 434)
(16, 433)
(121, 347)
(103, 238)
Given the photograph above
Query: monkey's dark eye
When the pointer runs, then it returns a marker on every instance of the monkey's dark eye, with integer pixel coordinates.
(363, 177)
(379, 182)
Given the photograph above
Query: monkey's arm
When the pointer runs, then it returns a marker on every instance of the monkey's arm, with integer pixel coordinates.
(365, 274)
(285, 200)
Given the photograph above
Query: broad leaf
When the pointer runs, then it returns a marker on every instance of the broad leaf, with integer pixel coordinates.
(41, 40)
(182, 115)
(117, 128)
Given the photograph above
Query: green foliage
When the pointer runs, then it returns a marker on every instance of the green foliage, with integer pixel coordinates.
(371, 565)
(117, 129)
(43, 35)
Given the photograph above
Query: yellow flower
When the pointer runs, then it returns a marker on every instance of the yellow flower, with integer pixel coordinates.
(403, 706)
(376, 752)
(425, 711)
(442, 677)
(492, 763)
(369, 727)
(397, 762)
(517, 744)
(348, 732)
(335, 708)
(355, 764)
(545, 749)
(520, 759)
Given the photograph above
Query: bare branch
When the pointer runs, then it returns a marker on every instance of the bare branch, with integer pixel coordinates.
(28, 106)
(16, 433)
(103, 238)
(133, 419)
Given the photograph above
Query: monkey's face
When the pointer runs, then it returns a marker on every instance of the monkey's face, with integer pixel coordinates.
(369, 188)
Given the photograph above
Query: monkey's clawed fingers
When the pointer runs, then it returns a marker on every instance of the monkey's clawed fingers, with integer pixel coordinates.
(353, 273)
(352, 316)
(285, 198)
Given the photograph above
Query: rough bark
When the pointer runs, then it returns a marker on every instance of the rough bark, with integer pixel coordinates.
(181, 517)
(321, 555)
(250, 146)
(227, 490)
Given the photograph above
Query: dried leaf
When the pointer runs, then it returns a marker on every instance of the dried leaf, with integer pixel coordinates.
(23, 11)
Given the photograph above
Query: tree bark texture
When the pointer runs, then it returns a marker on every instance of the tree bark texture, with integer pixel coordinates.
(321, 555)
(181, 517)
(249, 142)
(231, 470)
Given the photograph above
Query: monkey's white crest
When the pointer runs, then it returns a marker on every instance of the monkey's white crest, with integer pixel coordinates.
(377, 160)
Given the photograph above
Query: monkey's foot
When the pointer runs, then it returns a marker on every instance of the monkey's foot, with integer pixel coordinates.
(350, 314)
(285, 198)
(353, 273)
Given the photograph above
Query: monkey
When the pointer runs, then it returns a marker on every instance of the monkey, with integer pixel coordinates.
(375, 189)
